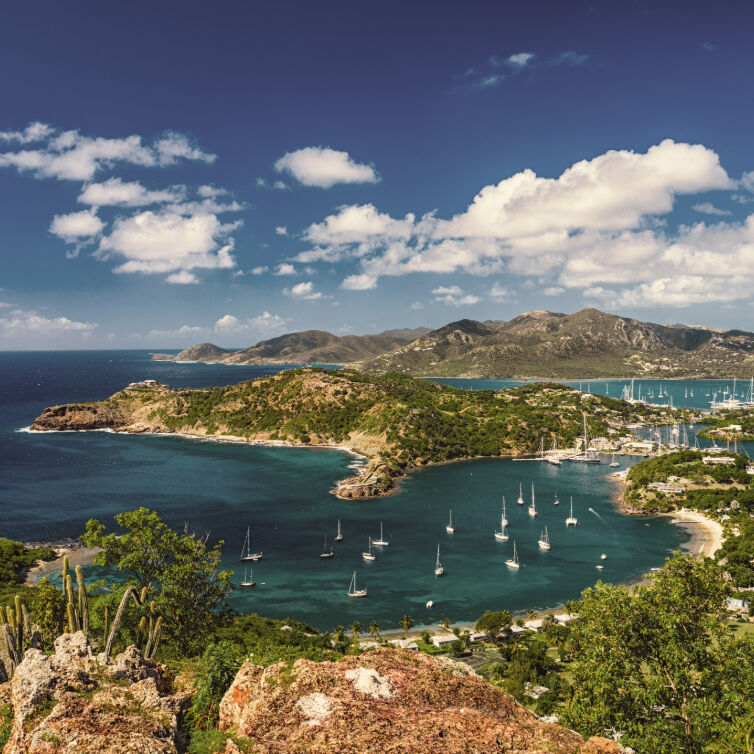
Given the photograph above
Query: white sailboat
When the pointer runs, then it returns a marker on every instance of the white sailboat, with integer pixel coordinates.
(532, 509)
(502, 535)
(520, 500)
(449, 527)
(439, 570)
(513, 562)
(614, 463)
(353, 591)
(248, 580)
(572, 520)
(338, 536)
(544, 540)
(246, 553)
(585, 456)
(381, 542)
(325, 552)
(368, 555)
(557, 502)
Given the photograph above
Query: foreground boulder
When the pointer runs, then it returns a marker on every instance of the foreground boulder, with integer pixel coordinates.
(386, 701)
(72, 701)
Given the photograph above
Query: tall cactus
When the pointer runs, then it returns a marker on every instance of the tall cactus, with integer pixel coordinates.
(106, 624)
(83, 605)
(130, 593)
(154, 639)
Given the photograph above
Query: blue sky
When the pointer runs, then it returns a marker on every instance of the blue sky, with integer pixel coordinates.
(177, 172)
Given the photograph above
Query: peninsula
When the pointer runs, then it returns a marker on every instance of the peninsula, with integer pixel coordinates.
(397, 423)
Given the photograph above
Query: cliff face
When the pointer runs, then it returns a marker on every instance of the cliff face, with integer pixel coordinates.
(386, 701)
(72, 702)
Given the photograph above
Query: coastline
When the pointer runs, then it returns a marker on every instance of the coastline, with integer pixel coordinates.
(707, 535)
(77, 555)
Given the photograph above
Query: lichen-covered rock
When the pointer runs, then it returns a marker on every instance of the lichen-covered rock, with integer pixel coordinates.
(71, 702)
(384, 701)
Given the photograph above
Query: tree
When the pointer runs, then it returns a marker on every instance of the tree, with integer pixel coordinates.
(47, 608)
(446, 624)
(355, 630)
(654, 661)
(492, 623)
(406, 623)
(339, 635)
(178, 567)
(374, 629)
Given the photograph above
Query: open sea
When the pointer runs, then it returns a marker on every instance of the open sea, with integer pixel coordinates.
(52, 483)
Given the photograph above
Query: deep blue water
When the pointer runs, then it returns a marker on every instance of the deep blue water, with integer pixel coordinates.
(50, 484)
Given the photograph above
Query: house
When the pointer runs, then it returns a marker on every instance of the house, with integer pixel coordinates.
(479, 636)
(718, 461)
(564, 618)
(534, 625)
(738, 605)
(405, 644)
(750, 470)
(443, 640)
(533, 691)
(666, 488)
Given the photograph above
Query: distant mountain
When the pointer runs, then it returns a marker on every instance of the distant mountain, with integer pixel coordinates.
(308, 347)
(589, 343)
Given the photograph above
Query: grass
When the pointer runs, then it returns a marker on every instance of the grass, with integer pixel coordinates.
(214, 742)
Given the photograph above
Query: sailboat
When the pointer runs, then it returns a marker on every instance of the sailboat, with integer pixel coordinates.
(249, 578)
(614, 463)
(502, 535)
(532, 509)
(353, 591)
(513, 562)
(449, 527)
(557, 502)
(368, 555)
(439, 570)
(381, 542)
(544, 540)
(325, 552)
(520, 500)
(572, 520)
(246, 553)
(338, 536)
(585, 456)
(553, 459)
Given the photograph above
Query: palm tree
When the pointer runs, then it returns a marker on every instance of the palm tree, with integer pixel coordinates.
(406, 622)
(531, 615)
(446, 624)
(339, 634)
(374, 629)
(355, 630)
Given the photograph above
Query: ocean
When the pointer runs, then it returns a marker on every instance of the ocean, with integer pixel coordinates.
(51, 484)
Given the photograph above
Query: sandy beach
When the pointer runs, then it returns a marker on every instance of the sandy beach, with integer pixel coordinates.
(706, 534)
(82, 556)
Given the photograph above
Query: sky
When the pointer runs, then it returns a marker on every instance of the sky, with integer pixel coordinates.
(180, 172)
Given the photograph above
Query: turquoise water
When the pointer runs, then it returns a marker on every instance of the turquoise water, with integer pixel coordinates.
(50, 484)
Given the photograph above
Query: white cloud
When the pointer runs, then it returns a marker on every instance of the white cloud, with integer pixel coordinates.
(285, 269)
(19, 322)
(304, 291)
(259, 270)
(76, 226)
(520, 59)
(210, 192)
(452, 295)
(182, 277)
(500, 293)
(601, 221)
(280, 185)
(166, 242)
(281, 230)
(264, 323)
(417, 305)
(708, 208)
(68, 155)
(747, 181)
(115, 192)
(181, 332)
(554, 290)
(35, 131)
(324, 167)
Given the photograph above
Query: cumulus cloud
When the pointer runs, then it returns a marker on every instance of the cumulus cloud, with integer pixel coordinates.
(20, 322)
(167, 242)
(76, 226)
(500, 293)
(554, 290)
(304, 292)
(259, 270)
(285, 269)
(69, 155)
(281, 230)
(600, 222)
(324, 167)
(117, 193)
(181, 332)
(452, 295)
(520, 59)
(264, 323)
(708, 208)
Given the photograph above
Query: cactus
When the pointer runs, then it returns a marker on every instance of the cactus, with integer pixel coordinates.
(154, 639)
(130, 593)
(82, 601)
(72, 626)
(19, 624)
(143, 633)
(106, 624)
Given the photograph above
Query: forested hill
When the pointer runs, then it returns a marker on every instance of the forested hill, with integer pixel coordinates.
(308, 347)
(397, 422)
(588, 343)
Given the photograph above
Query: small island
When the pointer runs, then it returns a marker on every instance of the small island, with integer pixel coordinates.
(397, 423)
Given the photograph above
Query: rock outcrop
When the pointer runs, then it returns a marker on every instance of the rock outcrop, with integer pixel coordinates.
(386, 701)
(73, 701)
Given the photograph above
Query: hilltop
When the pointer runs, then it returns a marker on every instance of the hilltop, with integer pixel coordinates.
(308, 347)
(398, 423)
(589, 343)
